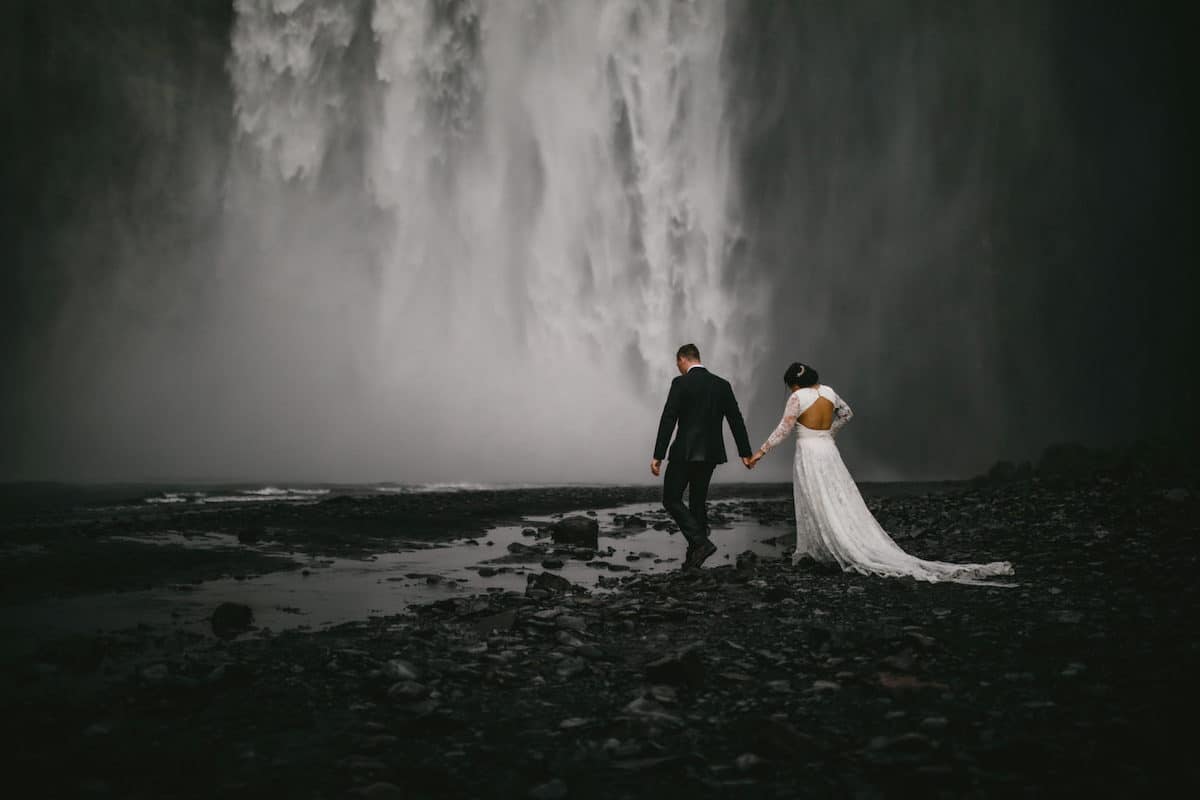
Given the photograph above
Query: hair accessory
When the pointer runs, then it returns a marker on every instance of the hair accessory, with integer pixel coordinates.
(801, 372)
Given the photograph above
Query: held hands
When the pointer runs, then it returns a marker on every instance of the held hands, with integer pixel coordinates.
(753, 460)
(655, 467)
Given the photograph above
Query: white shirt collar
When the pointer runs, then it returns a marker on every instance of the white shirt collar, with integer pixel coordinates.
(693, 366)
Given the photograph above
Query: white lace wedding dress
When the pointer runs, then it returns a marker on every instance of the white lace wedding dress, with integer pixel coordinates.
(833, 524)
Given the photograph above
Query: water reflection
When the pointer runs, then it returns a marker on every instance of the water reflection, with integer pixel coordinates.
(334, 590)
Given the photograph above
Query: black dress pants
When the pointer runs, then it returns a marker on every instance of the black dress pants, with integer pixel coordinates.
(695, 476)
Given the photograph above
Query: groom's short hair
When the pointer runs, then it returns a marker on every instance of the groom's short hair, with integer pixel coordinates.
(689, 351)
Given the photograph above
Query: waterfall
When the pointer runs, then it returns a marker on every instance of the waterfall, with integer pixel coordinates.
(552, 194)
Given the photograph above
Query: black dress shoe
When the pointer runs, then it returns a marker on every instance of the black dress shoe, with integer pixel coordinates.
(698, 554)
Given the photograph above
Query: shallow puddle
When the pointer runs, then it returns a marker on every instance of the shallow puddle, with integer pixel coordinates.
(335, 590)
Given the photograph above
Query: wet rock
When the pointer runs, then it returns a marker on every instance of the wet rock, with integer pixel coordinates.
(590, 651)
(664, 694)
(551, 790)
(685, 668)
(552, 563)
(567, 639)
(634, 523)
(571, 621)
(251, 535)
(907, 742)
(549, 583)
(571, 723)
(399, 670)
(571, 666)
(495, 622)
(486, 572)
(748, 762)
(580, 531)
(408, 691)
(155, 673)
(230, 619)
(381, 790)
(650, 710)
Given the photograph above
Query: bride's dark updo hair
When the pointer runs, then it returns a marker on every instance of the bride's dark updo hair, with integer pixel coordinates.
(800, 375)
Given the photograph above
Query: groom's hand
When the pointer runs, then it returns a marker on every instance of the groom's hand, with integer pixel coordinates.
(655, 467)
(748, 461)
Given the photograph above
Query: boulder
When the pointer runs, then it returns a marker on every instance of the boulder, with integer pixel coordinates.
(580, 531)
(684, 668)
(548, 582)
(230, 619)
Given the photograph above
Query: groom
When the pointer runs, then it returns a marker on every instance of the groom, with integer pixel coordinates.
(698, 401)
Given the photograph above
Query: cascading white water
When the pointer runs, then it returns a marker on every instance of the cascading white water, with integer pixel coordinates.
(553, 211)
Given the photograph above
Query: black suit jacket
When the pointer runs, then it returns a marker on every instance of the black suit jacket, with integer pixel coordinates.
(699, 401)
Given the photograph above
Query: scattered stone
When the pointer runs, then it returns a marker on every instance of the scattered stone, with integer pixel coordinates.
(664, 694)
(399, 670)
(571, 666)
(684, 668)
(580, 531)
(548, 582)
(408, 691)
(747, 762)
(574, 722)
(230, 619)
(571, 621)
(496, 622)
(381, 790)
(551, 790)
(155, 673)
(568, 640)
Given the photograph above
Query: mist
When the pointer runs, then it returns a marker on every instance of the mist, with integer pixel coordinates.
(461, 241)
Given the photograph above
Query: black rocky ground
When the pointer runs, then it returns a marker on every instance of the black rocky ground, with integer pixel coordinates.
(79, 547)
(749, 680)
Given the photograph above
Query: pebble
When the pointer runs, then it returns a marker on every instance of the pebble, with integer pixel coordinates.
(408, 691)
(551, 790)
(382, 791)
(400, 670)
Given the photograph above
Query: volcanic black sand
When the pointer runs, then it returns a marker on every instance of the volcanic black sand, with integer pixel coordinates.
(754, 679)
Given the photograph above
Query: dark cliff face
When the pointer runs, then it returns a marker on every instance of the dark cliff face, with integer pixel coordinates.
(117, 123)
(973, 214)
(118, 118)
(975, 220)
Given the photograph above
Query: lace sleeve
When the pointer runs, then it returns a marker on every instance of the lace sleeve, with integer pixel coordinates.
(841, 413)
(791, 413)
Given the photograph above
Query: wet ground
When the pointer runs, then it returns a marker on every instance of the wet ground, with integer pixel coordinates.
(751, 679)
(317, 591)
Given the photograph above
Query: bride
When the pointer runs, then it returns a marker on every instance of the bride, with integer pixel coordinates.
(833, 524)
